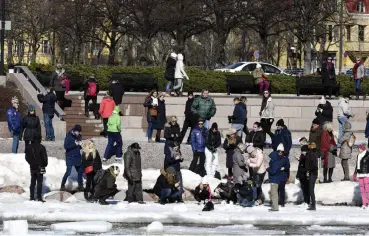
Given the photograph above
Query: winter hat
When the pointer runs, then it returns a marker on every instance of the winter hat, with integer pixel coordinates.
(205, 180)
(214, 126)
(322, 101)
(200, 120)
(302, 138)
(170, 170)
(361, 146)
(250, 149)
(15, 100)
(280, 147)
(92, 76)
(316, 121)
(180, 57)
(347, 126)
(280, 122)
(135, 146)
(305, 148)
(77, 127)
(231, 131)
(190, 93)
(31, 107)
(258, 65)
(173, 55)
(116, 110)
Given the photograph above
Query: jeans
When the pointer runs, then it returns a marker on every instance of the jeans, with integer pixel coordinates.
(170, 194)
(357, 84)
(149, 131)
(244, 202)
(179, 85)
(282, 193)
(94, 104)
(169, 85)
(187, 124)
(48, 122)
(207, 124)
(36, 177)
(312, 179)
(341, 122)
(111, 149)
(79, 170)
(239, 128)
(263, 86)
(15, 142)
(258, 179)
(211, 162)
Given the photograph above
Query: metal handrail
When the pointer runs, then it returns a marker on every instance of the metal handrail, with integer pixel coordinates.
(38, 86)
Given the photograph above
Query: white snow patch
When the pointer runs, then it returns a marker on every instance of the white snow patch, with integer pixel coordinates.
(15, 227)
(180, 208)
(329, 228)
(155, 227)
(222, 230)
(83, 227)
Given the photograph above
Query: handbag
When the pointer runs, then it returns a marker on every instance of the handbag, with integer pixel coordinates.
(153, 111)
(89, 169)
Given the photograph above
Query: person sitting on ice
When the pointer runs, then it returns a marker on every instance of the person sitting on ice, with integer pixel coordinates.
(226, 191)
(167, 188)
(203, 191)
(247, 194)
(106, 187)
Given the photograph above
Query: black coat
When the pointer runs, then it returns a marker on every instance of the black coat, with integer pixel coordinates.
(328, 75)
(170, 69)
(311, 161)
(213, 140)
(256, 138)
(116, 91)
(132, 165)
(106, 186)
(301, 170)
(162, 183)
(36, 157)
(188, 113)
(48, 103)
(31, 128)
(161, 118)
(172, 133)
(201, 194)
(90, 161)
(230, 150)
(326, 114)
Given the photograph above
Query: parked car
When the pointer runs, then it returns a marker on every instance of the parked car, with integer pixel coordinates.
(251, 66)
(349, 72)
(294, 71)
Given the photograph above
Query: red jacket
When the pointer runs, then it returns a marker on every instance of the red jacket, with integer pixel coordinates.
(106, 107)
(326, 142)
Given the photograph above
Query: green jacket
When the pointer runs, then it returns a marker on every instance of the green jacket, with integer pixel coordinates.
(114, 122)
(204, 108)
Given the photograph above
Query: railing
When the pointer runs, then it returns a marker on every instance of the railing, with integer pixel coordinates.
(37, 86)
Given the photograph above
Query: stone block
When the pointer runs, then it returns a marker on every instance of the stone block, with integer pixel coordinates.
(299, 124)
(287, 112)
(308, 112)
(294, 102)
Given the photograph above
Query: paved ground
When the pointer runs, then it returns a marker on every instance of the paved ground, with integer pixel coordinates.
(153, 154)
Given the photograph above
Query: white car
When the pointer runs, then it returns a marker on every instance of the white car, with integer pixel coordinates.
(250, 67)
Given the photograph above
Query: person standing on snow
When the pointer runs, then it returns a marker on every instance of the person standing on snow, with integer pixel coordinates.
(311, 165)
(239, 116)
(91, 90)
(230, 145)
(324, 111)
(107, 106)
(151, 102)
(91, 163)
(302, 174)
(274, 172)
(170, 71)
(213, 141)
(14, 120)
(179, 75)
(204, 108)
(73, 146)
(198, 143)
(133, 173)
(284, 176)
(267, 113)
(161, 118)
(239, 165)
(48, 108)
(344, 114)
(31, 127)
(107, 187)
(282, 135)
(347, 142)
(115, 142)
(329, 148)
(358, 74)
(190, 119)
(315, 134)
(362, 170)
(36, 157)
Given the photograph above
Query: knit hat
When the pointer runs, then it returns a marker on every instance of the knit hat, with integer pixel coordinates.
(170, 170)
(280, 147)
(205, 180)
(316, 121)
(15, 100)
(173, 55)
(322, 101)
(305, 148)
(231, 131)
(302, 138)
(280, 122)
(214, 126)
(31, 107)
(77, 127)
(250, 149)
(135, 146)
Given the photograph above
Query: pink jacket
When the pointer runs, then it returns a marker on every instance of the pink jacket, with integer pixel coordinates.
(257, 162)
(106, 107)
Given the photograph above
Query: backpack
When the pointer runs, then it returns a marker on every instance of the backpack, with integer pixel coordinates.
(99, 176)
(91, 91)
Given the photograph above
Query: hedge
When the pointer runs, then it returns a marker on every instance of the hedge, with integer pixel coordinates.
(199, 79)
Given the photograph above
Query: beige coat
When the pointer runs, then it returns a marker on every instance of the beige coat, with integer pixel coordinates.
(268, 111)
(256, 161)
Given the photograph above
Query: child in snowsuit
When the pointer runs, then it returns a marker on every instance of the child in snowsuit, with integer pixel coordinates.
(114, 137)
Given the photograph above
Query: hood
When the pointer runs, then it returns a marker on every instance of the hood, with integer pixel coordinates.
(214, 125)
(108, 100)
(340, 100)
(328, 104)
(31, 107)
(116, 110)
(274, 156)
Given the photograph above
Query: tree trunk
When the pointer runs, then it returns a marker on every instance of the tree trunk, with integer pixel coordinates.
(113, 45)
(222, 40)
(34, 52)
(264, 55)
(307, 58)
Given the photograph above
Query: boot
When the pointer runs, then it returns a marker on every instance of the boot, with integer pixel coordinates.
(312, 207)
(86, 114)
(330, 175)
(85, 194)
(40, 200)
(32, 196)
(103, 202)
(62, 188)
(158, 134)
(325, 173)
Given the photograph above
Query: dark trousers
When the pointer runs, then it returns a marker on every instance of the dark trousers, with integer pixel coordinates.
(107, 194)
(312, 179)
(89, 183)
(158, 135)
(305, 185)
(258, 179)
(60, 98)
(266, 125)
(36, 177)
(105, 123)
(94, 104)
(26, 143)
(329, 172)
(79, 171)
(198, 168)
(111, 149)
(134, 192)
(282, 193)
(245, 128)
(187, 124)
(230, 172)
(328, 91)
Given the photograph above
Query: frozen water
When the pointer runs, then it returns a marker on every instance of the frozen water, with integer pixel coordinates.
(15, 227)
(155, 227)
(83, 227)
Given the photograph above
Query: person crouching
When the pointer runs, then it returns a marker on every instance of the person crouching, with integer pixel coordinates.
(247, 194)
(91, 163)
(167, 188)
(203, 191)
(36, 157)
(107, 188)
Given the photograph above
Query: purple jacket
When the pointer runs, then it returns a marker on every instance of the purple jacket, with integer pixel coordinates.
(198, 139)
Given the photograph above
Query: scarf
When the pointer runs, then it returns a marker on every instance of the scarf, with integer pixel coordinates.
(264, 103)
(354, 70)
(155, 101)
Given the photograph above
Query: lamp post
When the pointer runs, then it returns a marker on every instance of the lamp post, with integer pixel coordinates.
(2, 35)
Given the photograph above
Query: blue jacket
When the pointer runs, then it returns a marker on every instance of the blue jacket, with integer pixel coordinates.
(274, 169)
(72, 150)
(14, 120)
(239, 114)
(282, 136)
(198, 139)
(367, 129)
(285, 174)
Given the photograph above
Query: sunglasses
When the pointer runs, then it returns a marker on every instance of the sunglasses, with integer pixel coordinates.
(201, 123)
(266, 93)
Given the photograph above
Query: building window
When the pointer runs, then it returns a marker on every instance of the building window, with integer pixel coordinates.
(330, 33)
(348, 32)
(360, 7)
(361, 33)
(45, 46)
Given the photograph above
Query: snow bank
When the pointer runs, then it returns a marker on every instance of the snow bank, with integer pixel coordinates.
(83, 227)
(15, 227)
(155, 228)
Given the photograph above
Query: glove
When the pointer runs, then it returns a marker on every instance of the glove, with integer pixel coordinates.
(334, 152)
